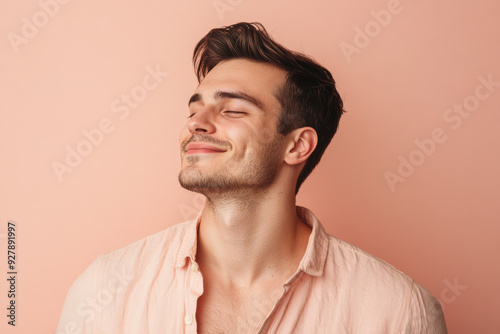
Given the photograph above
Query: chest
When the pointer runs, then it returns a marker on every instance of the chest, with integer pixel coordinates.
(234, 311)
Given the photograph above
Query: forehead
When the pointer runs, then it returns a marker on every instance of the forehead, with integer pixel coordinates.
(256, 79)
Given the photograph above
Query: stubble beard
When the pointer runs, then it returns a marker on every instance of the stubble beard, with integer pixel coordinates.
(254, 175)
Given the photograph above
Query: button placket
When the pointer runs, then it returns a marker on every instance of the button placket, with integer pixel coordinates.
(188, 319)
(194, 291)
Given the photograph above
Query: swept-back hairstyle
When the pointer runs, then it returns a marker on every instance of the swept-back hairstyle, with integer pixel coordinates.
(308, 97)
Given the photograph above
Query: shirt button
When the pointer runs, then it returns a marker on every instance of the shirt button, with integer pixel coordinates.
(194, 267)
(188, 319)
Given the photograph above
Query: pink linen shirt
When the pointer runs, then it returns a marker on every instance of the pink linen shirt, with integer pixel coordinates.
(152, 286)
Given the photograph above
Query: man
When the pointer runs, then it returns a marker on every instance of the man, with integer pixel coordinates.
(252, 261)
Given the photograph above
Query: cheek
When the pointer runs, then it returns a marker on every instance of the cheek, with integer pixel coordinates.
(251, 138)
(240, 137)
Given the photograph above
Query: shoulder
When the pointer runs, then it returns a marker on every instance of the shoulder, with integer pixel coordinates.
(357, 262)
(365, 277)
(367, 272)
(114, 272)
(374, 285)
(147, 250)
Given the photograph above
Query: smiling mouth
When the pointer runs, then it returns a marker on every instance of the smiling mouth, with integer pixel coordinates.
(196, 148)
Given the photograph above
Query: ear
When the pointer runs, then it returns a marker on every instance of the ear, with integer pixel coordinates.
(302, 144)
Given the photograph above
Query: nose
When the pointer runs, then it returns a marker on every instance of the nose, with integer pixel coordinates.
(201, 122)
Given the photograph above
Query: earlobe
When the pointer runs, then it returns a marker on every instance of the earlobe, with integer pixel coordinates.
(303, 143)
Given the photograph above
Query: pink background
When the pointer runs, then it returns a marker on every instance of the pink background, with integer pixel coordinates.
(401, 76)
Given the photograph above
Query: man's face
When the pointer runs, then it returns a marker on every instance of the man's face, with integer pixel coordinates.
(230, 142)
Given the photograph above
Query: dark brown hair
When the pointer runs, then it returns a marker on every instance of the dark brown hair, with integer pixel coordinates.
(309, 96)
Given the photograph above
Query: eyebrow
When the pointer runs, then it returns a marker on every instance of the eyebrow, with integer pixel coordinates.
(219, 95)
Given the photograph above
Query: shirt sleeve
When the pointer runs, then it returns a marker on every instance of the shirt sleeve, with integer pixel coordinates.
(425, 315)
(78, 311)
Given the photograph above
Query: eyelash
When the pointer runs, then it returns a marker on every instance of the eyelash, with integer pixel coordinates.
(235, 112)
(228, 111)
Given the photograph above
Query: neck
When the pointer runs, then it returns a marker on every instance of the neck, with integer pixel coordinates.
(252, 238)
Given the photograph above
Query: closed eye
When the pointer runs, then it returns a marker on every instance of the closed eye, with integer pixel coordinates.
(233, 112)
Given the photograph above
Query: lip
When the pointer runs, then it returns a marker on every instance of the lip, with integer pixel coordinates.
(193, 148)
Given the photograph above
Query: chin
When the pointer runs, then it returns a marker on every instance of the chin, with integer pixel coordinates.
(191, 179)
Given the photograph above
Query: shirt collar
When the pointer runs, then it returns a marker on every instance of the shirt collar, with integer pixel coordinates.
(189, 242)
(312, 263)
